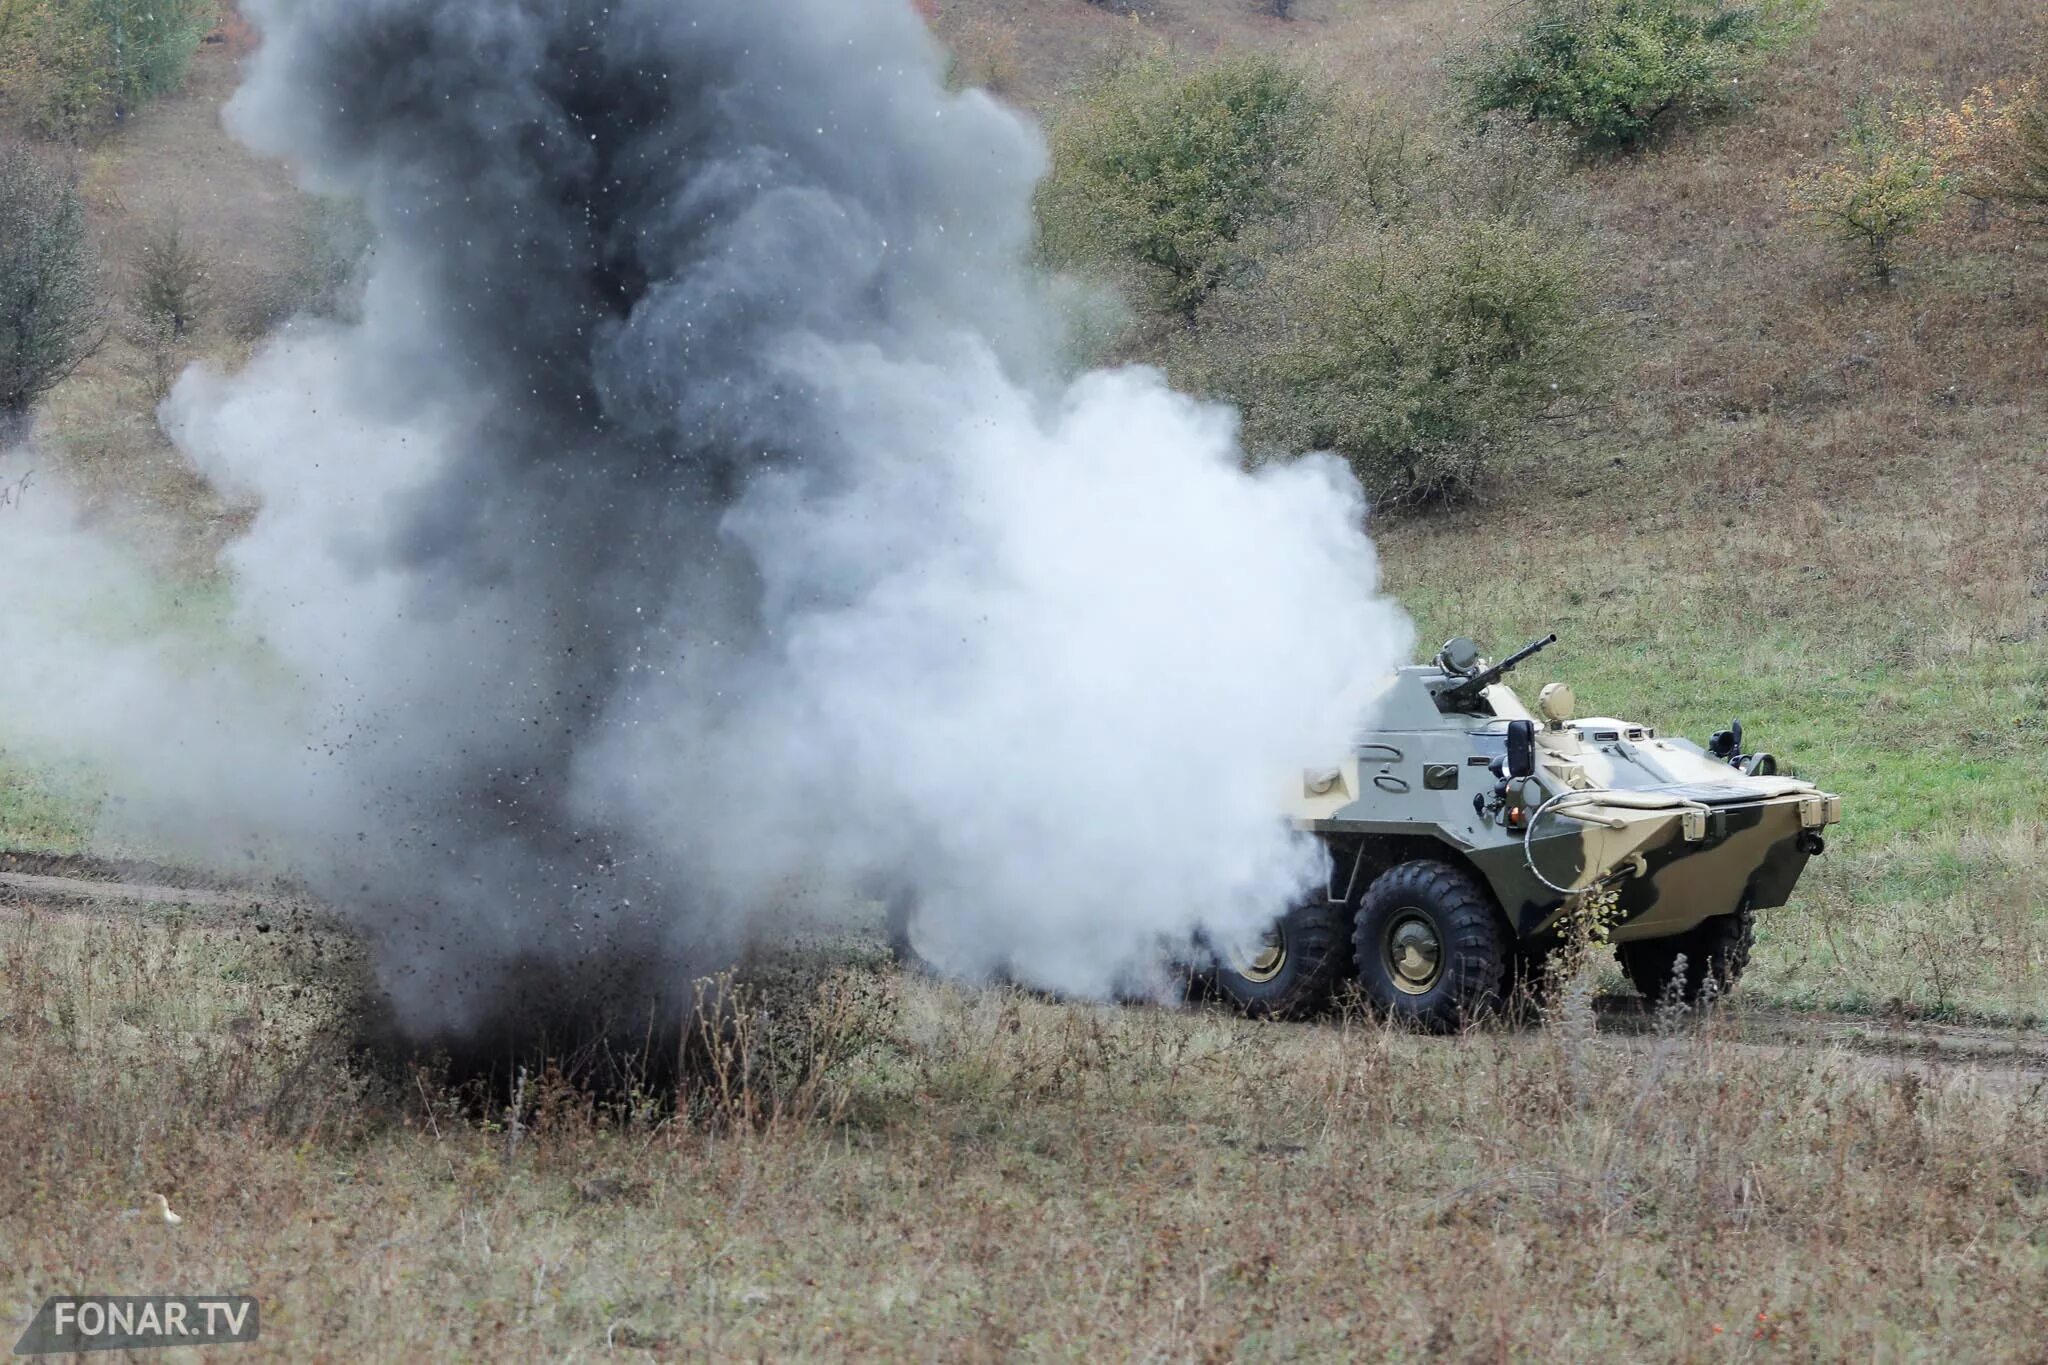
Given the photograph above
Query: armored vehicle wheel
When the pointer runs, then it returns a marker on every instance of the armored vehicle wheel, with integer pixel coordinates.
(1291, 973)
(1430, 946)
(1715, 950)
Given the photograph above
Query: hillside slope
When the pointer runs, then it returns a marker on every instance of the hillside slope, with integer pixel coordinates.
(1809, 501)
(1804, 500)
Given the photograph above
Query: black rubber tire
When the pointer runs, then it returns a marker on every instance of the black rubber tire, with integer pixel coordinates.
(1475, 946)
(1316, 939)
(1716, 950)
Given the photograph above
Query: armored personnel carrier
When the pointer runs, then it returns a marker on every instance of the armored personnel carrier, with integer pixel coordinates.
(1464, 829)
(1466, 832)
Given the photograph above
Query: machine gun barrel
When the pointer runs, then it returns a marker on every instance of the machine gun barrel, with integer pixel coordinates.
(1479, 682)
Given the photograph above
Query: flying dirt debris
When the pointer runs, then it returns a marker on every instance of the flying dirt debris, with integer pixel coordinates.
(701, 517)
(1465, 831)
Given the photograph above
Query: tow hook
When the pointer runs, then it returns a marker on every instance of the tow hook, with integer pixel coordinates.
(1811, 844)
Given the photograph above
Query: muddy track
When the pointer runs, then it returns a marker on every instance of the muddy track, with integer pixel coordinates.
(2009, 1053)
(70, 885)
(135, 874)
(71, 890)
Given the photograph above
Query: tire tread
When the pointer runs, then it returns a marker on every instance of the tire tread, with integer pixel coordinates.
(1318, 932)
(1473, 935)
(1720, 945)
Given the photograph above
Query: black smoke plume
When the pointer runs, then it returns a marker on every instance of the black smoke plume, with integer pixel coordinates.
(700, 522)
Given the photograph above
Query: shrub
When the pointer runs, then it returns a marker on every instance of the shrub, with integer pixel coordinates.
(1894, 176)
(170, 283)
(1418, 356)
(170, 292)
(75, 64)
(1353, 281)
(1163, 178)
(52, 311)
(321, 274)
(2010, 141)
(2024, 180)
(161, 356)
(1612, 72)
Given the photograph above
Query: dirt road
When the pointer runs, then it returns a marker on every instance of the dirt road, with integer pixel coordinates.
(24, 886)
(2003, 1054)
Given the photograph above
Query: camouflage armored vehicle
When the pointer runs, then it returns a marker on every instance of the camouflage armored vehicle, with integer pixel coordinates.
(1463, 826)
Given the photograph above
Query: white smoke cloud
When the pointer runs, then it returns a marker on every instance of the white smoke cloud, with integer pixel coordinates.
(1084, 654)
(697, 512)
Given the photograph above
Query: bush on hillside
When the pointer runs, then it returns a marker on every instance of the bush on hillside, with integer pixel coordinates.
(2025, 178)
(1614, 72)
(2009, 139)
(52, 310)
(1354, 282)
(320, 274)
(77, 64)
(1894, 176)
(1421, 356)
(1164, 179)
(170, 277)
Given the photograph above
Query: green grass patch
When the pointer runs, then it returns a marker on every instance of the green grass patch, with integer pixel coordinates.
(44, 810)
(1931, 894)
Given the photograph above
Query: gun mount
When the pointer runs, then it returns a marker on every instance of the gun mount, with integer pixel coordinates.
(1462, 692)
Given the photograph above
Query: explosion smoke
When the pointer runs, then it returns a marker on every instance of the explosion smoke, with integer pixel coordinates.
(699, 514)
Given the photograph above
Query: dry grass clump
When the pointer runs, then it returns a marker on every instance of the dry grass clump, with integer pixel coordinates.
(1954, 923)
(998, 1174)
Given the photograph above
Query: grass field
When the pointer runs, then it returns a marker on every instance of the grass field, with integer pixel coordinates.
(1803, 500)
(915, 1172)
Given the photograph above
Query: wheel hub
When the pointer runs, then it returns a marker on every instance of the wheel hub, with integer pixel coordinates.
(1263, 963)
(1413, 952)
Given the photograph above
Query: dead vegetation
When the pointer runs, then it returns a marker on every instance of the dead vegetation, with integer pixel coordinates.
(966, 1176)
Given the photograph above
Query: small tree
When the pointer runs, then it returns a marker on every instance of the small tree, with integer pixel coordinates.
(52, 309)
(1613, 72)
(1166, 176)
(1894, 176)
(170, 278)
(2009, 142)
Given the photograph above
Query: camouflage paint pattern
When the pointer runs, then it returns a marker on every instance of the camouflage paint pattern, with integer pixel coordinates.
(1679, 836)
